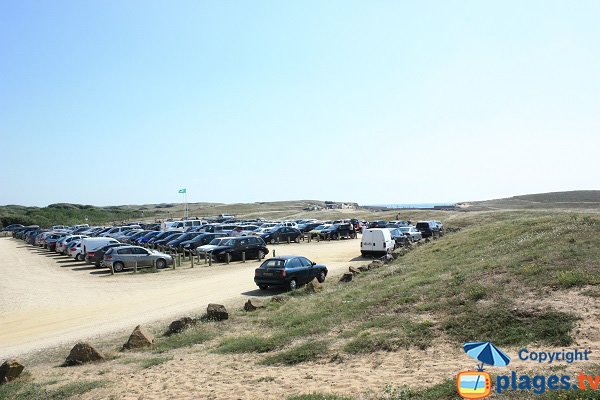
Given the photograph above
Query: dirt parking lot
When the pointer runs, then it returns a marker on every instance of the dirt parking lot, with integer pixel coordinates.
(48, 300)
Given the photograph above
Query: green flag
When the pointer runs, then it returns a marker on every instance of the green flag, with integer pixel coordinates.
(182, 191)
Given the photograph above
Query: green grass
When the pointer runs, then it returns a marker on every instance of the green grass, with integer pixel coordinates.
(25, 389)
(309, 351)
(397, 334)
(504, 326)
(151, 362)
(465, 286)
(189, 337)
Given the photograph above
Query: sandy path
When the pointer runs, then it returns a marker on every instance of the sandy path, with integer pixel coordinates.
(47, 300)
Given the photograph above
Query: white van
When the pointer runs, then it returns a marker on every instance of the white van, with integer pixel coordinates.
(182, 226)
(89, 245)
(376, 242)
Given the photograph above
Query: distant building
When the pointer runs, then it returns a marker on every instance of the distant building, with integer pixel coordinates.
(334, 205)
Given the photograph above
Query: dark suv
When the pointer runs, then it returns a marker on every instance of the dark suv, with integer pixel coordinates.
(428, 228)
(338, 231)
(253, 246)
(281, 234)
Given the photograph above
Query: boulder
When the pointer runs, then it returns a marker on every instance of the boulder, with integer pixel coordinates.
(139, 338)
(363, 268)
(354, 271)
(279, 298)
(375, 264)
(83, 353)
(217, 312)
(347, 277)
(179, 325)
(253, 304)
(9, 370)
(314, 286)
(388, 258)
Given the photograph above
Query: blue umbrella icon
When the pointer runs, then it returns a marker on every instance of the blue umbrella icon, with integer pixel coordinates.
(486, 353)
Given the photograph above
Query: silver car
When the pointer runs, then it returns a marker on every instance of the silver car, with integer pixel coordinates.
(411, 232)
(127, 257)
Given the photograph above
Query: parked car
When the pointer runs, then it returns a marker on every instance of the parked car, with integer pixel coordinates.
(167, 239)
(428, 228)
(411, 232)
(308, 226)
(127, 257)
(97, 256)
(232, 249)
(338, 231)
(376, 242)
(90, 245)
(161, 236)
(200, 240)
(281, 234)
(213, 244)
(377, 224)
(289, 272)
(317, 231)
(75, 250)
(146, 238)
(175, 244)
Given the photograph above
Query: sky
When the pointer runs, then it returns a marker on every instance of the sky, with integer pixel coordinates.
(385, 102)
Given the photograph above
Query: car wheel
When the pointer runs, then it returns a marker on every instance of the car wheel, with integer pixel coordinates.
(293, 285)
(321, 277)
(118, 267)
(272, 241)
(297, 240)
(79, 257)
(161, 264)
(261, 254)
(263, 287)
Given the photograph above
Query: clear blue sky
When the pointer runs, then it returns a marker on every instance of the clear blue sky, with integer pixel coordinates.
(125, 102)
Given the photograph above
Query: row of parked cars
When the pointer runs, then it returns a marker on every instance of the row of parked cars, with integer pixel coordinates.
(78, 242)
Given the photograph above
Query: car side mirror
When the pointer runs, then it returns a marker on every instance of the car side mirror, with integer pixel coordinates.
(313, 263)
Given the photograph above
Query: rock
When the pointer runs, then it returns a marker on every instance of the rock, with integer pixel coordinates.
(363, 268)
(279, 299)
(217, 312)
(179, 325)
(427, 240)
(139, 338)
(253, 304)
(375, 264)
(314, 286)
(9, 370)
(83, 353)
(347, 277)
(354, 271)
(388, 258)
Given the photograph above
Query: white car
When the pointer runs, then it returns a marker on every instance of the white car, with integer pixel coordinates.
(76, 250)
(413, 233)
(216, 242)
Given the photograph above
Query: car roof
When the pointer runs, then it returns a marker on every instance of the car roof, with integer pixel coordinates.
(284, 258)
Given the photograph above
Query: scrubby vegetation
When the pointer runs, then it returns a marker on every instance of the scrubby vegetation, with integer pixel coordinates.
(64, 214)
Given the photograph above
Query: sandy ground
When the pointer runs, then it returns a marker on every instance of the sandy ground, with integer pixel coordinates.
(199, 373)
(48, 300)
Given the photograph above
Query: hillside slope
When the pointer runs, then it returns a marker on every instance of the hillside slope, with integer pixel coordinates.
(578, 199)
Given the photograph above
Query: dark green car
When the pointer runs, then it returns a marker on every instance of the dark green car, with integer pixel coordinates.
(288, 272)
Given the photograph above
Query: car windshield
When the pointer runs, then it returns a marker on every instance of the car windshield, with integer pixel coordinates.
(273, 263)
(404, 229)
(320, 227)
